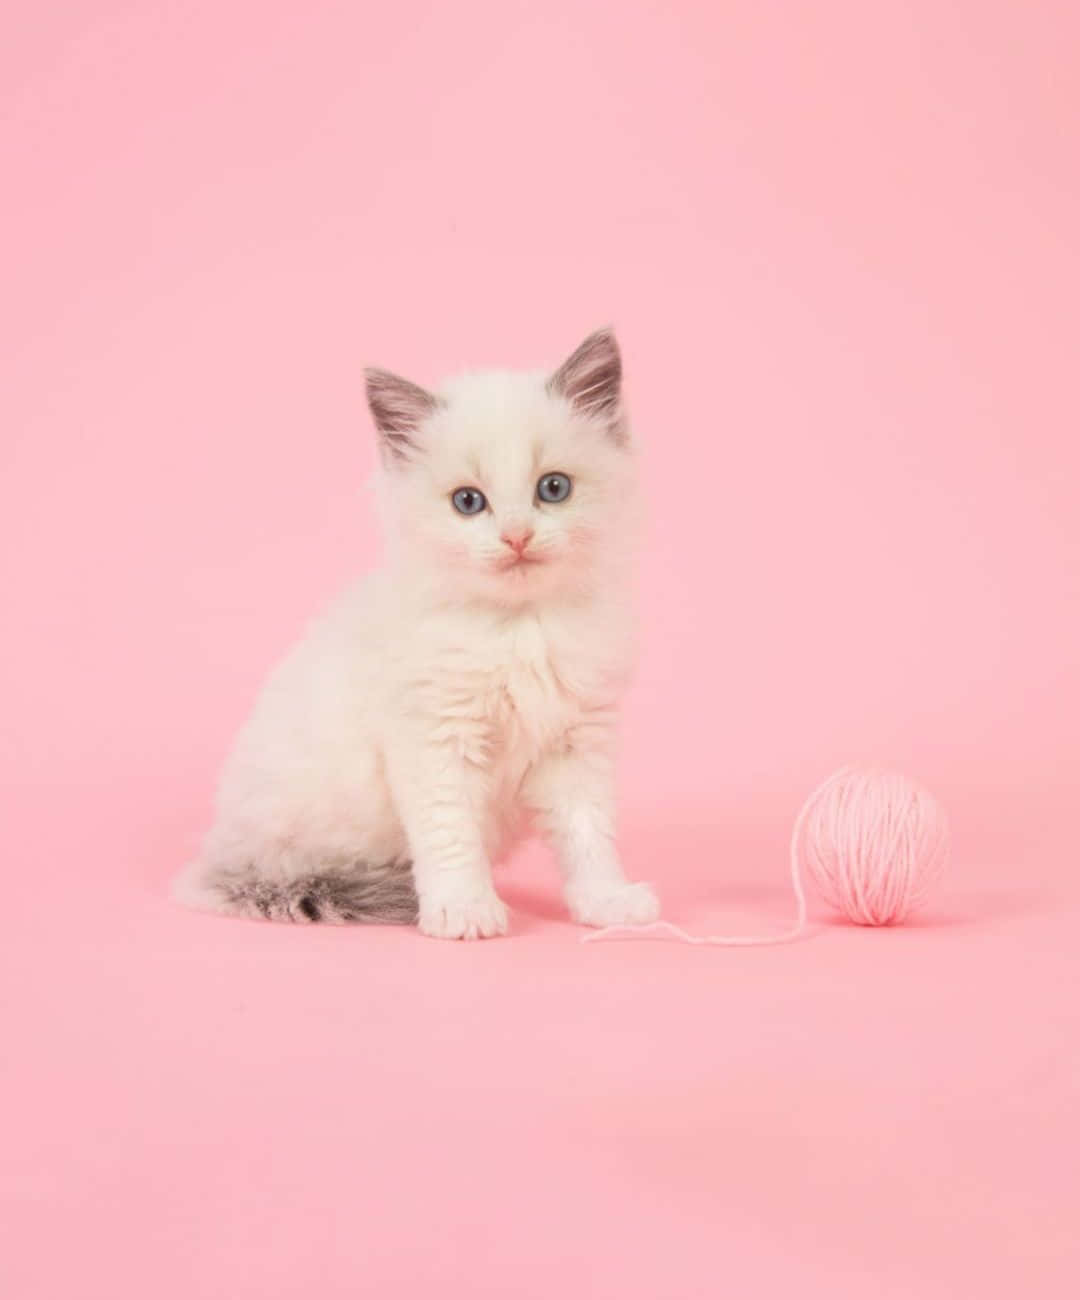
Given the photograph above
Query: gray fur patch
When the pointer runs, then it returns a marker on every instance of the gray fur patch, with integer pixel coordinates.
(356, 894)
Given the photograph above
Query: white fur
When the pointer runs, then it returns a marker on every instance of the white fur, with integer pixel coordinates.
(447, 698)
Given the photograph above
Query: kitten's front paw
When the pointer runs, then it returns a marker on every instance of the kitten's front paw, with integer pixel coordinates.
(625, 904)
(481, 917)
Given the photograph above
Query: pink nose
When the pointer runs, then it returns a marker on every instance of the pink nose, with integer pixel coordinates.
(517, 538)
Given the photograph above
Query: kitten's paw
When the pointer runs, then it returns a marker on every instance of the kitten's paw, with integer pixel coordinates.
(481, 917)
(625, 904)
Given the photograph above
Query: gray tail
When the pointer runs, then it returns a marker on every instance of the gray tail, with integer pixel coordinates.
(356, 894)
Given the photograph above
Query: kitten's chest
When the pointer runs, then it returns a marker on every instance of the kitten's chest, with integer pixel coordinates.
(533, 696)
(511, 688)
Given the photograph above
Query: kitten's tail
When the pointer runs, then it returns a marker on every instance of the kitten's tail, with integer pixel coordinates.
(358, 893)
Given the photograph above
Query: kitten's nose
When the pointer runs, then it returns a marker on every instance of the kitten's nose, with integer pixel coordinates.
(516, 538)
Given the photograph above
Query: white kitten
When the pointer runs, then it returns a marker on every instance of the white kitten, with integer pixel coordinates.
(473, 681)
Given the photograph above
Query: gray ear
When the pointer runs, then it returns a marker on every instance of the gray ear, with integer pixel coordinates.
(399, 408)
(591, 380)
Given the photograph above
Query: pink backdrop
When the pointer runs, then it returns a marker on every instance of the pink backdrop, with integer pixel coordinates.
(838, 240)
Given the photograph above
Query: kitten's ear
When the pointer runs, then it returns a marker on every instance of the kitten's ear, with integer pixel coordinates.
(591, 380)
(399, 408)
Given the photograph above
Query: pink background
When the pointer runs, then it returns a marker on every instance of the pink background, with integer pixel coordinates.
(839, 241)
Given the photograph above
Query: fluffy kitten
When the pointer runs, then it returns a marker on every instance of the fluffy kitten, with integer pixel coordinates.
(469, 685)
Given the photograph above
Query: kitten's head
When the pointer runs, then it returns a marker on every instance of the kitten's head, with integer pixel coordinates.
(510, 486)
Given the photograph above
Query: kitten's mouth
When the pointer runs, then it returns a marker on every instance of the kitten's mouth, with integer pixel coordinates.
(519, 562)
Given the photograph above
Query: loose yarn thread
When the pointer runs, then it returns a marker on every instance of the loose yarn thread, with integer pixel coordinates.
(874, 842)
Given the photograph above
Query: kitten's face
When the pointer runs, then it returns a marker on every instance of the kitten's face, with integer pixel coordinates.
(511, 486)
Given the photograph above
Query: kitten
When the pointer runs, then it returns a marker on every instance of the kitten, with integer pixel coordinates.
(469, 685)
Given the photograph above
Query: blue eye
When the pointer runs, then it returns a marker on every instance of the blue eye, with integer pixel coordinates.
(469, 501)
(553, 488)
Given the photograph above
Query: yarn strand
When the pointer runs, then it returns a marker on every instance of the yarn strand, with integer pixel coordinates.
(666, 929)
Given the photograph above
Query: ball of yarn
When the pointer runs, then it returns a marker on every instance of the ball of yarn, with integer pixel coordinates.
(874, 842)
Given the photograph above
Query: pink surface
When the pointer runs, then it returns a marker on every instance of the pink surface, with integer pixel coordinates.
(839, 243)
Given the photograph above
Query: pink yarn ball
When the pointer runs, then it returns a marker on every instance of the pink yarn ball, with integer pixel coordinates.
(875, 843)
